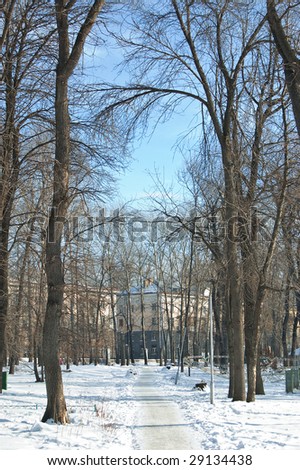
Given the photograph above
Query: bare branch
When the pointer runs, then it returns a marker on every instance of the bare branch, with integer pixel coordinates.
(82, 35)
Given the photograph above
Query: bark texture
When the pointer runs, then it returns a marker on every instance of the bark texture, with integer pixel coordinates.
(67, 60)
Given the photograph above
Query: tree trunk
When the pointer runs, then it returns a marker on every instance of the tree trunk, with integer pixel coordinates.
(253, 304)
(290, 60)
(237, 336)
(233, 290)
(3, 304)
(220, 346)
(129, 351)
(56, 406)
(37, 355)
(295, 324)
(115, 324)
(260, 390)
(251, 325)
(67, 61)
(122, 349)
(230, 333)
(143, 327)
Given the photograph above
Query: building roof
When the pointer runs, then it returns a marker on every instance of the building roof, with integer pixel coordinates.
(150, 289)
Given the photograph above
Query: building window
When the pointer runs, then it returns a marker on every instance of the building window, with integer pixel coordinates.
(154, 321)
(153, 349)
(154, 307)
(121, 322)
(153, 336)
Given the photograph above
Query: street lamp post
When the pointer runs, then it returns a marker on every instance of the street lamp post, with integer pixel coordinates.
(211, 348)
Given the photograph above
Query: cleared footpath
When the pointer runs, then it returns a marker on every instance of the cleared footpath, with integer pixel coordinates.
(159, 422)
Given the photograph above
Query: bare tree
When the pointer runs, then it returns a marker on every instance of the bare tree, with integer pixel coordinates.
(22, 104)
(67, 60)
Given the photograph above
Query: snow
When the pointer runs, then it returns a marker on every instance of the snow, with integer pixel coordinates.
(150, 289)
(271, 422)
(160, 423)
(97, 400)
(109, 407)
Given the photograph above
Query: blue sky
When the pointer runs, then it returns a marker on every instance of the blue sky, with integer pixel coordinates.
(155, 154)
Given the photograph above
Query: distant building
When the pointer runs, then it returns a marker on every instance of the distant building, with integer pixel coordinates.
(154, 322)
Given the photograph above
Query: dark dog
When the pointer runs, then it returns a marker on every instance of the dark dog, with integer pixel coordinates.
(200, 386)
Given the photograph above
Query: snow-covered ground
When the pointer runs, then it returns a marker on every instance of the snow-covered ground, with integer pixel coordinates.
(104, 411)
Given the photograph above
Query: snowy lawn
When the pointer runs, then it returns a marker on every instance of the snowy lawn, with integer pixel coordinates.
(272, 422)
(103, 411)
(99, 401)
